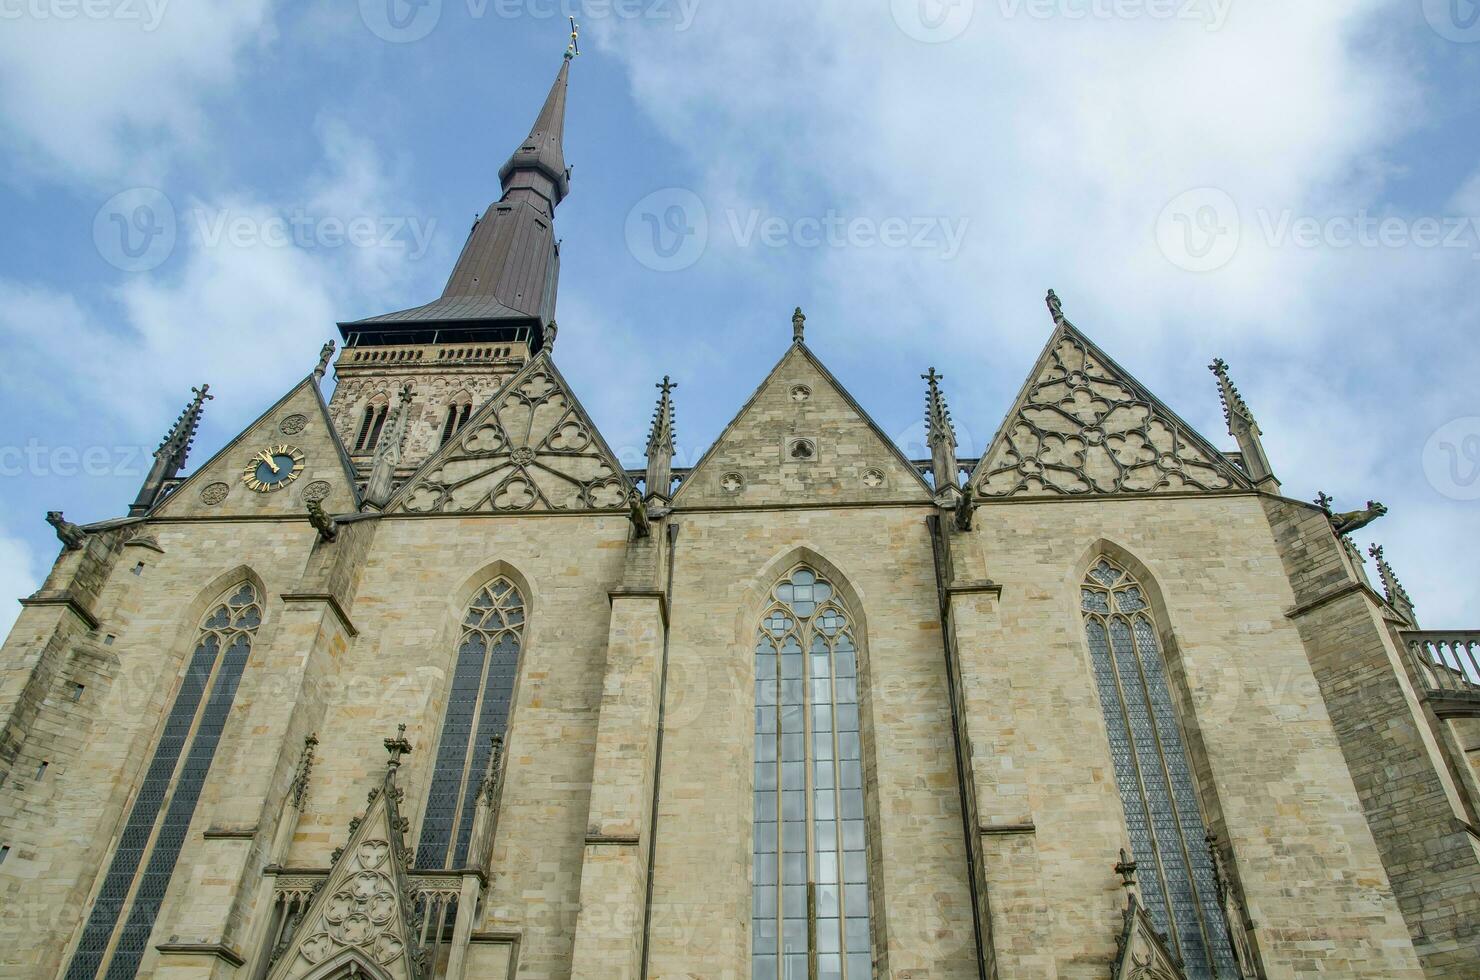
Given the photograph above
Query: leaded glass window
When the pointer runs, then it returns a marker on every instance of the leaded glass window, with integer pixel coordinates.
(810, 895)
(477, 710)
(1168, 835)
(166, 801)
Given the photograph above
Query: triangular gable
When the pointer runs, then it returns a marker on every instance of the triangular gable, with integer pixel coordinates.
(531, 447)
(364, 911)
(1083, 425)
(756, 461)
(1140, 951)
(299, 421)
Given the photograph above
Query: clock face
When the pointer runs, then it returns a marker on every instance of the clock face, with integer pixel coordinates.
(273, 468)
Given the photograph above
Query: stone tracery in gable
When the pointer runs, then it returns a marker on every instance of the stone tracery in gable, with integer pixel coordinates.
(1083, 428)
(534, 450)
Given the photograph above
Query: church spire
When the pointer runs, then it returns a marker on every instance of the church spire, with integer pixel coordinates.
(505, 281)
(536, 172)
(1243, 427)
(169, 458)
(660, 445)
(940, 434)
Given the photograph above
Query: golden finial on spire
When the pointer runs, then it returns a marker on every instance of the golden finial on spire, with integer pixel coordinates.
(575, 41)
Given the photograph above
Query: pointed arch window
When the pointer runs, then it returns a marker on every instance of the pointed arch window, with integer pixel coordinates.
(457, 417)
(810, 895)
(477, 710)
(1162, 813)
(166, 801)
(370, 426)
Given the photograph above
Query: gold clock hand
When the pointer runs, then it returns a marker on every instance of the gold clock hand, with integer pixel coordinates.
(266, 457)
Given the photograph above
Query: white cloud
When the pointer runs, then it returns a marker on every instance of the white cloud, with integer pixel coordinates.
(18, 577)
(1061, 142)
(113, 97)
(243, 304)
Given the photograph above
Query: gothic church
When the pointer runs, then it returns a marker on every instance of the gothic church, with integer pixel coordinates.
(420, 682)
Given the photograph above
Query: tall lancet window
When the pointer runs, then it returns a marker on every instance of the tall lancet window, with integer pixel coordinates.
(477, 710)
(1168, 836)
(810, 897)
(166, 801)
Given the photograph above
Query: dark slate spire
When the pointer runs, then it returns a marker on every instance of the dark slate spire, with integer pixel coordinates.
(507, 275)
(169, 458)
(536, 172)
(1243, 427)
(660, 445)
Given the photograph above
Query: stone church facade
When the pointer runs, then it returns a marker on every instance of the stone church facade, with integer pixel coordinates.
(421, 682)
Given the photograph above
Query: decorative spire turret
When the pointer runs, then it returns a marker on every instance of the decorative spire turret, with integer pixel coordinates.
(388, 456)
(1397, 596)
(940, 433)
(660, 445)
(169, 458)
(1243, 427)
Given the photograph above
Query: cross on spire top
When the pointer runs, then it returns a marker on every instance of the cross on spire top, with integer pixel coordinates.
(574, 50)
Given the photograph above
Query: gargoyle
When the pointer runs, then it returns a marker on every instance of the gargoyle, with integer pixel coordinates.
(642, 525)
(327, 527)
(1357, 519)
(71, 536)
(965, 509)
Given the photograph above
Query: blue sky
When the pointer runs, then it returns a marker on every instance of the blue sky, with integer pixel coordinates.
(1292, 186)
